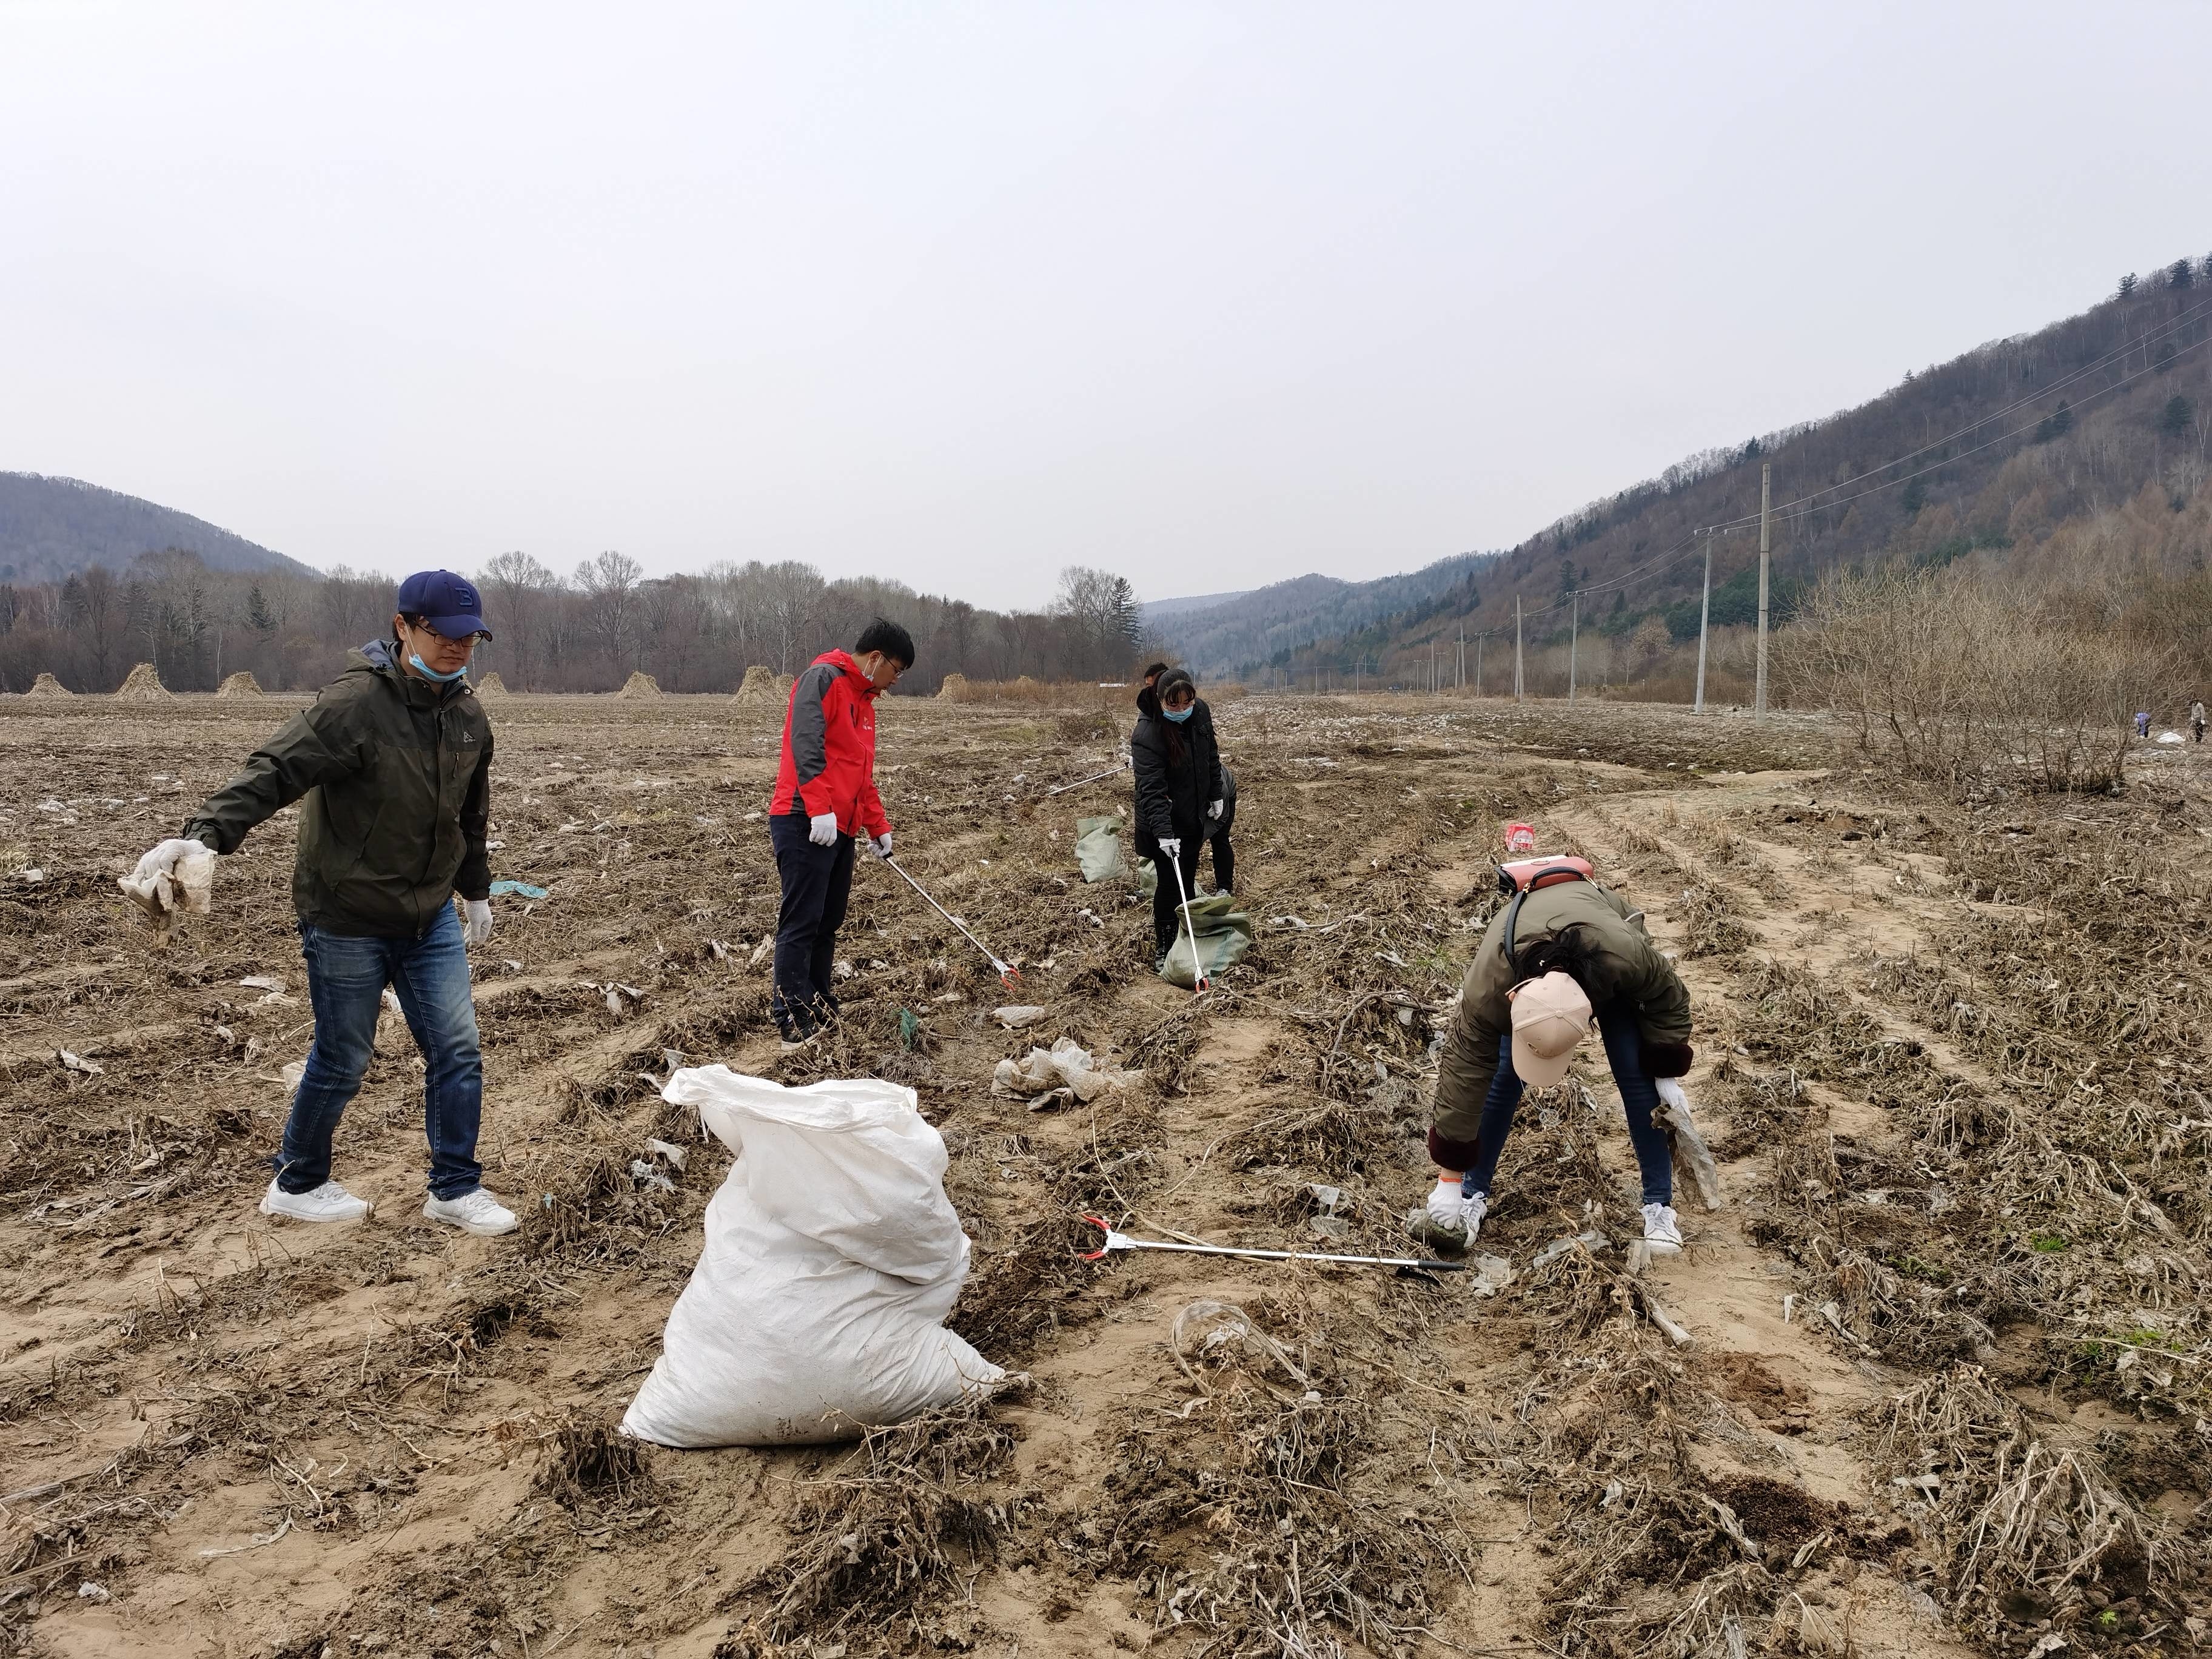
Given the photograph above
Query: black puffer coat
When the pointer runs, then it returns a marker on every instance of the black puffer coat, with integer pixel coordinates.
(1179, 773)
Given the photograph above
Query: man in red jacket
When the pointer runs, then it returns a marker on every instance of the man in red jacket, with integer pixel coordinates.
(825, 794)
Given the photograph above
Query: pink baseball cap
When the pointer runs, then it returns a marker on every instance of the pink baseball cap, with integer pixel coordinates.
(1551, 1017)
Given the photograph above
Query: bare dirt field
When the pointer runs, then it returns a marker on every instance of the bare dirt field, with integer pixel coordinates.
(1945, 1388)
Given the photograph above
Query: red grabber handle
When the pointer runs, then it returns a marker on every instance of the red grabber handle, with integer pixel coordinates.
(1099, 1222)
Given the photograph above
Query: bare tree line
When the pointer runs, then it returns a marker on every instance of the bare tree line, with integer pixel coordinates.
(586, 632)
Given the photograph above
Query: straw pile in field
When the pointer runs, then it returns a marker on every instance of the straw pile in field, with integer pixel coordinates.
(144, 685)
(640, 684)
(759, 686)
(955, 689)
(47, 686)
(490, 686)
(240, 684)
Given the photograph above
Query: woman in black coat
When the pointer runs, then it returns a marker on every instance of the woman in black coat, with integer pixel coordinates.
(1179, 791)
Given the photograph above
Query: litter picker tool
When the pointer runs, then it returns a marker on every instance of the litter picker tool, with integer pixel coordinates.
(1062, 788)
(1198, 979)
(1006, 975)
(1123, 1242)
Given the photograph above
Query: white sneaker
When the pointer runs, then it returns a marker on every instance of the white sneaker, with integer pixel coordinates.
(474, 1211)
(328, 1202)
(1471, 1210)
(1660, 1231)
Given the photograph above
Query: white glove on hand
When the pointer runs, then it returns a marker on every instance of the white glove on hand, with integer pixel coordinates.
(477, 928)
(1446, 1207)
(1670, 1090)
(177, 875)
(1215, 810)
(1172, 846)
(822, 829)
(882, 845)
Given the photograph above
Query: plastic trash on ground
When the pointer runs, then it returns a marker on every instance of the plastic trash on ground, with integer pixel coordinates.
(832, 1257)
(1064, 1066)
(167, 893)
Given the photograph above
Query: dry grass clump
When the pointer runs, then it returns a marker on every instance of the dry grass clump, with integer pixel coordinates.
(240, 684)
(1250, 1518)
(144, 685)
(47, 686)
(588, 1463)
(2025, 1529)
(1710, 925)
(640, 684)
(905, 1511)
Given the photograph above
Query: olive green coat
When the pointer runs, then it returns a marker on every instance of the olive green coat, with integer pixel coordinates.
(395, 775)
(1625, 965)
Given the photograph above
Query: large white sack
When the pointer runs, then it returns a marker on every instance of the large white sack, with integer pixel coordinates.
(832, 1257)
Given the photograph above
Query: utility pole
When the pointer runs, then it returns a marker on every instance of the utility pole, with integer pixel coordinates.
(1459, 678)
(1574, 634)
(1516, 648)
(1479, 638)
(1766, 478)
(1705, 616)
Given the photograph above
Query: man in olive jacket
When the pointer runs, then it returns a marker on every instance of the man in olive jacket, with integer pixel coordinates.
(1558, 959)
(393, 763)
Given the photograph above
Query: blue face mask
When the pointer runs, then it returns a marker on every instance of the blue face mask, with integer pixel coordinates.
(429, 673)
(1179, 716)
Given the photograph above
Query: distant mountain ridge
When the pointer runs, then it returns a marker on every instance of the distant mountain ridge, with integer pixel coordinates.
(51, 529)
(1998, 455)
(1241, 629)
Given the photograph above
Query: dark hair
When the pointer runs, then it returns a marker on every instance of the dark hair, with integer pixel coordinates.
(1178, 745)
(1153, 670)
(1564, 952)
(1170, 680)
(889, 638)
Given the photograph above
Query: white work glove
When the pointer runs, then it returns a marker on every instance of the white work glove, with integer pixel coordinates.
(1446, 1207)
(822, 829)
(1670, 1090)
(479, 924)
(882, 845)
(1172, 846)
(1215, 810)
(177, 875)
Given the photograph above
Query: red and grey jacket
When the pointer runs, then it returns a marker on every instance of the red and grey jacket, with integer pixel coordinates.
(830, 747)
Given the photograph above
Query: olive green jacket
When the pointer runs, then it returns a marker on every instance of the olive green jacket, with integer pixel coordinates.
(1625, 965)
(395, 775)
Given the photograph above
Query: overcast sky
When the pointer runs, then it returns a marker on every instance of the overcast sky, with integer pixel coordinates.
(1211, 295)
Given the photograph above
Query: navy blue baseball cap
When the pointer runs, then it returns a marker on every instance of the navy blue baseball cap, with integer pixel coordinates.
(450, 604)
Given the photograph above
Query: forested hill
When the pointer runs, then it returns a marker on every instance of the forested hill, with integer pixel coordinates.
(54, 528)
(2007, 453)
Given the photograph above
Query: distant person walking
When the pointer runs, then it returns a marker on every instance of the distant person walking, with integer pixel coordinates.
(393, 765)
(1181, 796)
(2196, 718)
(825, 795)
(2142, 722)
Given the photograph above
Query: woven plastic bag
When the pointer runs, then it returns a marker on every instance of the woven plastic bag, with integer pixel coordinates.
(832, 1257)
(1222, 933)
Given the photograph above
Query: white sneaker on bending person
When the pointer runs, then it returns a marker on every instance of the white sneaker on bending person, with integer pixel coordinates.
(328, 1202)
(1660, 1231)
(474, 1211)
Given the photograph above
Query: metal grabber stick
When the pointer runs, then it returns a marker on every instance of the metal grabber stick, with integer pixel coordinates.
(1198, 979)
(1006, 975)
(1123, 1242)
(1062, 788)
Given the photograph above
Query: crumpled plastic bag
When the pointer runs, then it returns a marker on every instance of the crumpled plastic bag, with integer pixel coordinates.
(164, 895)
(1064, 1066)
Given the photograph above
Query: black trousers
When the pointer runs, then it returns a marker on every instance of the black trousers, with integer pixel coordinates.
(1224, 855)
(1167, 903)
(817, 881)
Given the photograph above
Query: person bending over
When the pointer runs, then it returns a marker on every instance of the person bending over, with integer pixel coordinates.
(825, 794)
(1556, 961)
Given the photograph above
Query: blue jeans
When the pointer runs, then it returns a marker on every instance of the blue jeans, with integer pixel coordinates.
(817, 882)
(346, 977)
(1623, 1051)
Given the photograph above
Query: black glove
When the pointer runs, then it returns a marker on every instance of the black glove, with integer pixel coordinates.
(1668, 1059)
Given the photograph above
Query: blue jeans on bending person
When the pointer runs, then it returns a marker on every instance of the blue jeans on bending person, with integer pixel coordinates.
(817, 882)
(1639, 1097)
(346, 977)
